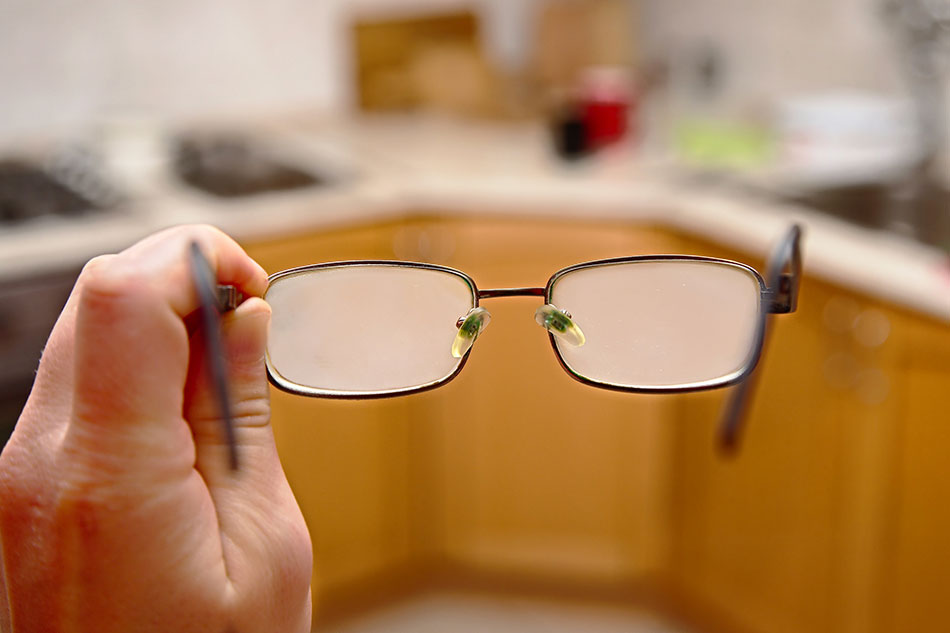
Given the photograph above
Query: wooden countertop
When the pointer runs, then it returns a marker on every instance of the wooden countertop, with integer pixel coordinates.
(393, 167)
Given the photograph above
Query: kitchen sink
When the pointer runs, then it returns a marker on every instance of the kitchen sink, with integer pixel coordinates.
(229, 166)
(925, 218)
(28, 191)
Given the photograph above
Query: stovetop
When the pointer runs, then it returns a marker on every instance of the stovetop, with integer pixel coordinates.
(28, 191)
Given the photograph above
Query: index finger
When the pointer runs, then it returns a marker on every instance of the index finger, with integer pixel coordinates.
(130, 315)
(163, 258)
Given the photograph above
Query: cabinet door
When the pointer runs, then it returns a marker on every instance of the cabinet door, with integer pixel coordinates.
(347, 462)
(535, 473)
(918, 571)
(797, 532)
(755, 533)
(513, 465)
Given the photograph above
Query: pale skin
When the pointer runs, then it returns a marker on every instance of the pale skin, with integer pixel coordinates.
(118, 511)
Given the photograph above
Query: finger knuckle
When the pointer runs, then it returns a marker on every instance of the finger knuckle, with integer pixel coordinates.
(115, 288)
(204, 234)
(82, 515)
(82, 510)
(253, 412)
(193, 230)
(95, 267)
(109, 276)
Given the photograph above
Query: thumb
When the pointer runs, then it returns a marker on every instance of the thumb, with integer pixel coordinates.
(265, 541)
(244, 337)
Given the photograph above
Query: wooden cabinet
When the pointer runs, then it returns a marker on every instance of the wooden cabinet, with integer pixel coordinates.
(512, 468)
(537, 474)
(758, 535)
(831, 519)
(347, 462)
(827, 519)
(916, 570)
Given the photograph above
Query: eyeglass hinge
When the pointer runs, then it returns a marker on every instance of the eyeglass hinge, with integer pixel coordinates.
(785, 296)
(229, 297)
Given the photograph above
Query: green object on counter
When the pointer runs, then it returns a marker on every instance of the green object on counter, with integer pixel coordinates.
(714, 143)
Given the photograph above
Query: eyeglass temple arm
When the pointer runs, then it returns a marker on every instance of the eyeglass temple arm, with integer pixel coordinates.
(214, 299)
(783, 278)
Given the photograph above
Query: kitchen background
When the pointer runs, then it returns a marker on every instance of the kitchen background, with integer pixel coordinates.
(68, 64)
(510, 139)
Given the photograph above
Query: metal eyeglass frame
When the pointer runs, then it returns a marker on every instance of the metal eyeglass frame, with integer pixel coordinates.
(778, 293)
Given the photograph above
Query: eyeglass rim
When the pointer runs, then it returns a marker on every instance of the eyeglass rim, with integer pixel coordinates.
(752, 360)
(290, 386)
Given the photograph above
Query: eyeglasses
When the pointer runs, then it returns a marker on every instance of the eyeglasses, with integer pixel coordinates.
(644, 324)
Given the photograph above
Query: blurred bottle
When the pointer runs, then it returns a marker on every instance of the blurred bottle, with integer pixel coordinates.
(598, 114)
(569, 131)
(606, 98)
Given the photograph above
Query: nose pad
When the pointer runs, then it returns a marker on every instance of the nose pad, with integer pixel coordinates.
(560, 324)
(470, 326)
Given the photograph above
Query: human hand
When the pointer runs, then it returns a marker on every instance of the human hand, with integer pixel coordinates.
(118, 511)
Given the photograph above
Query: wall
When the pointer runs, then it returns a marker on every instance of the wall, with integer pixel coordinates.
(66, 63)
(777, 47)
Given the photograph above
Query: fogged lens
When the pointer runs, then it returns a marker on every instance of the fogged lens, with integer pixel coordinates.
(365, 329)
(660, 324)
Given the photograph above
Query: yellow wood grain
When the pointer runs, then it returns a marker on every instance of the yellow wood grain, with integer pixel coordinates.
(347, 462)
(918, 554)
(540, 473)
(832, 519)
(513, 466)
(824, 521)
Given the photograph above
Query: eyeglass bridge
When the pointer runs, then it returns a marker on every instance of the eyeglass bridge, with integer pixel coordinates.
(558, 322)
